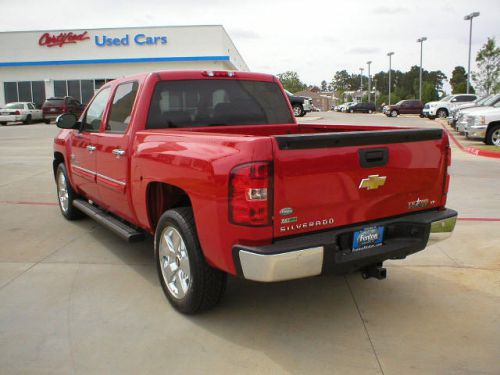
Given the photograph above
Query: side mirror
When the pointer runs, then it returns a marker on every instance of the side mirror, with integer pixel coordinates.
(453, 100)
(67, 121)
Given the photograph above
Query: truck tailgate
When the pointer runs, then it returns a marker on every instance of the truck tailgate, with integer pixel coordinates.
(329, 180)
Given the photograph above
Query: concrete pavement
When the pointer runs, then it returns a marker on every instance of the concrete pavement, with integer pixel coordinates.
(75, 299)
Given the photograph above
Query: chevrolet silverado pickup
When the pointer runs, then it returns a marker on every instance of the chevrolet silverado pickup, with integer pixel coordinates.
(214, 166)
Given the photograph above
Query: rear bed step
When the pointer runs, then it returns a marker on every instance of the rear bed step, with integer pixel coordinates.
(121, 229)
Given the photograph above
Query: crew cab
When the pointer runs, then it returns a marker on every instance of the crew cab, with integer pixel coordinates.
(20, 111)
(404, 107)
(443, 107)
(215, 167)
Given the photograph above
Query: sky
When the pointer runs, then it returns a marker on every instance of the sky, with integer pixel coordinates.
(313, 38)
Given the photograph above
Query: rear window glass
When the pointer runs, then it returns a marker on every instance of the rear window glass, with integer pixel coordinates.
(196, 103)
(54, 103)
(15, 106)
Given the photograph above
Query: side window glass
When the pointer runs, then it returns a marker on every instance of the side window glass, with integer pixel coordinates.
(93, 116)
(30, 106)
(121, 108)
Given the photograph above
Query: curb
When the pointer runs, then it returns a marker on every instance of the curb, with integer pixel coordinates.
(470, 149)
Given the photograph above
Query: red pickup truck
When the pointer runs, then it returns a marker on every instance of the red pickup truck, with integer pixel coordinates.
(215, 167)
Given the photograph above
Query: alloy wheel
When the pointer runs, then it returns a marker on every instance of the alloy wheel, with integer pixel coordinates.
(174, 262)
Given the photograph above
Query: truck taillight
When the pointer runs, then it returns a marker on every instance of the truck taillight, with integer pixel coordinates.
(446, 182)
(250, 194)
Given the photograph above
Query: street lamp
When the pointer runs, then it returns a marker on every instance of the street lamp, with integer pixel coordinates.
(390, 54)
(467, 18)
(421, 41)
(375, 91)
(361, 83)
(369, 82)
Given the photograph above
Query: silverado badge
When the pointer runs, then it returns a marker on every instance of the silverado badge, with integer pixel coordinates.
(419, 203)
(372, 182)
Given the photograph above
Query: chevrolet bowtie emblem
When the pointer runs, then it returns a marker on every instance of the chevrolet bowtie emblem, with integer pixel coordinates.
(372, 182)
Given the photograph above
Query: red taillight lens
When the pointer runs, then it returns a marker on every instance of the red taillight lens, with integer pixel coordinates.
(250, 194)
(446, 182)
(17, 113)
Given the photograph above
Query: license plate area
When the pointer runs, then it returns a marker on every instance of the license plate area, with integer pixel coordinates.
(367, 238)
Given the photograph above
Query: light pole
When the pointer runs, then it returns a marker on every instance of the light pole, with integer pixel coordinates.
(361, 83)
(369, 82)
(467, 18)
(375, 91)
(421, 41)
(390, 55)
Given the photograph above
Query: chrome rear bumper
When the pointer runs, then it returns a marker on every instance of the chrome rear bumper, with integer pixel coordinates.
(330, 251)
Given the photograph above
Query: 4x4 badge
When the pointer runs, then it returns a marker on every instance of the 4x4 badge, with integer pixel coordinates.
(372, 182)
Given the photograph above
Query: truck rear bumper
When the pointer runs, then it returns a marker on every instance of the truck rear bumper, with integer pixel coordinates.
(331, 252)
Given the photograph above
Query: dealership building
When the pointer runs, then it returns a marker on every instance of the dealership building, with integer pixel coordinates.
(35, 65)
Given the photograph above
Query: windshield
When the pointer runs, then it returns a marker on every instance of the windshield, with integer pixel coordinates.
(492, 100)
(14, 106)
(289, 93)
(196, 103)
(399, 103)
(446, 98)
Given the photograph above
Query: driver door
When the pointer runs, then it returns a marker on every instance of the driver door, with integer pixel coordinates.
(83, 146)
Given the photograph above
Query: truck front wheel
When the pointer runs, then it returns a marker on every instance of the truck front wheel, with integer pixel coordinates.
(298, 111)
(493, 136)
(66, 195)
(189, 283)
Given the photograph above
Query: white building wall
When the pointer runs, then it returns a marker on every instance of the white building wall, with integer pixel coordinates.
(186, 47)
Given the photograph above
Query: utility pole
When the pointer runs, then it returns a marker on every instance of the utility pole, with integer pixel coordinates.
(375, 91)
(361, 84)
(469, 17)
(421, 41)
(369, 82)
(390, 55)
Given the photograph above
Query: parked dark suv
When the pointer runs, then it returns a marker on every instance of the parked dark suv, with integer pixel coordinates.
(53, 107)
(362, 107)
(404, 107)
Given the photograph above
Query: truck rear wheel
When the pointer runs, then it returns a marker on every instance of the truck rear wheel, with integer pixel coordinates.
(189, 283)
(442, 113)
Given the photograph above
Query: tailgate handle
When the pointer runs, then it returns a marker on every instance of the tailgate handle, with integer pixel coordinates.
(373, 157)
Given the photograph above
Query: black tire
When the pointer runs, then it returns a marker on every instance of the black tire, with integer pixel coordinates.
(442, 113)
(206, 284)
(431, 118)
(46, 120)
(394, 113)
(3, 123)
(28, 120)
(493, 136)
(351, 111)
(68, 211)
(298, 110)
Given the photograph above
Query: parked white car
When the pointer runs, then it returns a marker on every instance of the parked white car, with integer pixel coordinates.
(486, 125)
(21, 111)
(443, 107)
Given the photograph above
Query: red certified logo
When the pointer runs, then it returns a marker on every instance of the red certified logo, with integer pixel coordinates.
(51, 40)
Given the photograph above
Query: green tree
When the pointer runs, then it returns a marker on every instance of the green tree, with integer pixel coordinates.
(324, 85)
(487, 78)
(458, 81)
(291, 81)
(341, 81)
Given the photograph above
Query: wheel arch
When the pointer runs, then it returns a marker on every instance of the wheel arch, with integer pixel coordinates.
(160, 197)
(58, 159)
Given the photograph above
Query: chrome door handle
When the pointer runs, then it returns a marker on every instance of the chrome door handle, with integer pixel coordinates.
(118, 152)
(90, 148)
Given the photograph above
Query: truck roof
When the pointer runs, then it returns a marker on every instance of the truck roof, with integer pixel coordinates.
(198, 74)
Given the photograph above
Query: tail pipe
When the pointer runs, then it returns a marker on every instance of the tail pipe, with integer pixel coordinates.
(376, 271)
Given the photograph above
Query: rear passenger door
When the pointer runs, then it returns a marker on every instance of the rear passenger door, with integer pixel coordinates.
(113, 152)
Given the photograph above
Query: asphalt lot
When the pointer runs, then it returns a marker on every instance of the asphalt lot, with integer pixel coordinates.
(75, 299)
